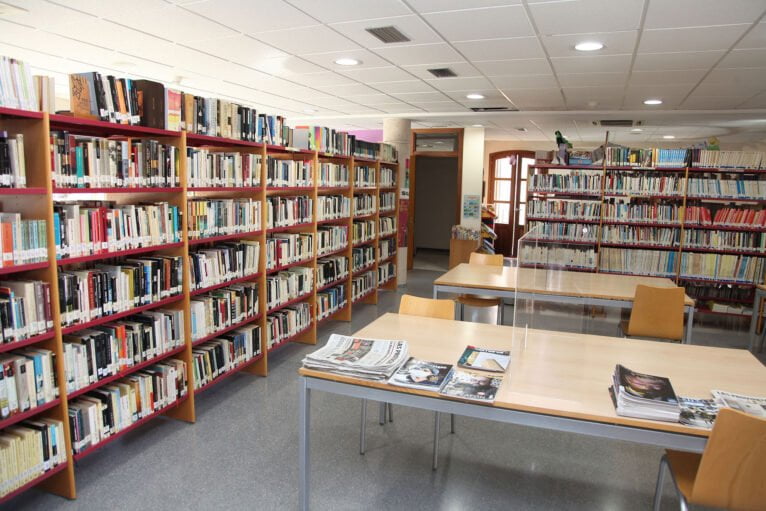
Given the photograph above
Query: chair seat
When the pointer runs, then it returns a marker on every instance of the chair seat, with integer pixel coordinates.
(477, 301)
(684, 466)
(624, 329)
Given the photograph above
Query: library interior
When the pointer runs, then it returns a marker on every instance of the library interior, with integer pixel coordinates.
(383, 254)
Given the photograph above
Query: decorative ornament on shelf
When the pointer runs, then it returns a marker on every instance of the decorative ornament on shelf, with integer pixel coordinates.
(560, 157)
(712, 144)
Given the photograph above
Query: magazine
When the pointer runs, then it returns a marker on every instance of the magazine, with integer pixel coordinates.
(421, 374)
(372, 359)
(644, 396)
(472, 386)
(748, 404)
(484, 359)
(700, 413)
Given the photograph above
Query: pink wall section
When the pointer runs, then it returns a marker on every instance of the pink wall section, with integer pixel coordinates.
(368, 135)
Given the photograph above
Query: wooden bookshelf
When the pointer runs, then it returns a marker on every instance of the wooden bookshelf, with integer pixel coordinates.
(37, 202)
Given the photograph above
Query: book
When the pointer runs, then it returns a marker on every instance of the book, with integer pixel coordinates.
(700, 413)
(484, 359)
(286, 323)
(421, 374)
(643, 396)
(472, 386)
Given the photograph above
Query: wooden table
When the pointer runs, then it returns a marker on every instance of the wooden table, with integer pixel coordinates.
(756, 323)
(556, 380)
(597, 289)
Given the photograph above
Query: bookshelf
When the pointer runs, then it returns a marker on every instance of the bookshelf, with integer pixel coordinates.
(700, 226)
(43, 194)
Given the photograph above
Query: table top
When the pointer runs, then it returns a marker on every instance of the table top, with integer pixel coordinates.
(554, 282)
(567, 374)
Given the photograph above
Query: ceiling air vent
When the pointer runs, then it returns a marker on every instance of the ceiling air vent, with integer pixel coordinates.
(388, 35)
(617, 123)
(442, 72)
(494, 109)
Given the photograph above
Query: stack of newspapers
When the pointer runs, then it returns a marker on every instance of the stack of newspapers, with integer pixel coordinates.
(371, 359)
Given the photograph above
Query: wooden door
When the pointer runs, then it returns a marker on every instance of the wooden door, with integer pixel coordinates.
(507, 191)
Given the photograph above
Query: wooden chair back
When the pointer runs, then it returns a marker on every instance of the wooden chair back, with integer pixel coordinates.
(486, 259)
(657, 312)
(428, 307)
(731, 472)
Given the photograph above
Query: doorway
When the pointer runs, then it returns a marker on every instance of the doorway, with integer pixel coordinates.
(507, 191)
(436, 192)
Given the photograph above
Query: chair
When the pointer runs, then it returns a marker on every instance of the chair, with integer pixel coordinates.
(728, 474)
(480, 301)
(658, 312)
(414, 306)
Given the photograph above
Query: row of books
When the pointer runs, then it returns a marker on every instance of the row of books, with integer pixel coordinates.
(557, 256)
(91, 228)
(644, 184)
(27, 380)
(220, 118)
(388, 152)
(218, 217)
(387, 225)
(365, 204)
(629, 157)
(585, 210)
(323, 140)
(657, 263)
(208, 168)
(25, 309)
(722, 267)
(330, 301)
(362, 284)
(107, 410)
(286, 323)
(579, 181)
(726, 188)
(333, 207)
(22, 241)
(363, 231)
(364, 176)
(331, 238)
(288, 285)
(109, 98)
(103, 290)
(222, 308)
(728, 159)
(362, 257)
(560, 231)
(224, 354)
(333, 175)
(637, 235)
(107, 350)
(79, 161)
(289, 173)
(726, 216)
(17, 87)
(13, 166)
(387, 177)
(647, 212)
(288, 248)
(386, 248)
(331, 269)
(387, 202)
(725, 240)
(386, 272)
(223, 262)
(28, 450)
(288, 211)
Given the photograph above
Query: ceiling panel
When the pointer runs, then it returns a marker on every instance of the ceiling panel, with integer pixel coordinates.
(757, 101)
(185, 26)
(328, 79)
(591, 79)
(376, 74)
(441, 106)
(690, 39)
(419, 54)
(500, 49)
(524, 81)
(744, 58)
(308, 40)
(252, 17)
(517, 66)
(42, 14)
(426, 6)
(333, 11)
(351, 89)
(240, 48)
(455, 84)
(374, 99)
(462, 69)
(595, 64)
(411, 26)
(585, 16)
(398, 108)
(702, 102)
(615, 43)
(537, 99)
(487, 23)
(289, 67)
(690, 76)
(676, 61)
(403, 86)
(366, 59)
(411, 97)
(756, 38)
(701, 13)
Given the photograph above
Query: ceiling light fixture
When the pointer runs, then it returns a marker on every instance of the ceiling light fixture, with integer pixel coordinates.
(668, 137)
(477, 125)
(652, 101)
(636, 130)
(309, 111)
(589, 46)
(474, 95)
(348, 61)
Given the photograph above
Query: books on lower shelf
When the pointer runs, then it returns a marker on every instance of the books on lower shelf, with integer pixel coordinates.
(218, 217)
(333, 175)
(91, 228)
(386, 272)
(25, 309)
(563, 231)
(208, 168)
(288, 173)
(571, 257)
(331, 238)
(725, 217)
(387, 177)
(288, 285)
(740, 241)
(27, 380)
(107, 350)
(362, 284)
(107, 410)
(287, 323)
(330, 301)
(371, 359)
(637, 235)
(13, 166)
(288, 211)
(362, 257)
(29, 450)
(644, 183)
(17, 88)
(644, 396)
(387, 202)
(331, 269)
(364, 176)
(742, 188)
(333, 207)
(214, 358)
(364, 231)
(722, 267)
(626, 210)
(79, 161)
(324, 140)
(421, 375)
(484, 359)
(471, 386)
(386, 248)
(288, 248)
(364, 204)
(658, 263)
(222, 308)
(575, 181)
(387, 225)
(223, 262)
(22, 241)
(217, 117)
(564, 208)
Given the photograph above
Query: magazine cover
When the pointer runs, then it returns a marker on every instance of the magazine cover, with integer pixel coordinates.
(473, 386)
(484, 359)
(697, 412)
(748, 404)
(645, 386)
(421, 374)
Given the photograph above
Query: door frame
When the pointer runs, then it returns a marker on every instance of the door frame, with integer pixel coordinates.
(458, 153)
(516, 180)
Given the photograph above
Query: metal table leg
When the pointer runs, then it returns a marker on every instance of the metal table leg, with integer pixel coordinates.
(303, 443)
(689, 323)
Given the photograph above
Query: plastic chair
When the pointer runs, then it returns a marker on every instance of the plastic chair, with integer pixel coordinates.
(481, 301)
(658, 312)
(728, 474)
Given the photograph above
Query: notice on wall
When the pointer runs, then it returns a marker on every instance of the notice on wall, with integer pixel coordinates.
(471, 206)
(404, 216)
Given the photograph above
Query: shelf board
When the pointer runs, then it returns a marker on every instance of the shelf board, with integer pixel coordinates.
(334, 189)
(365, 188)
(717, 227)
(224, 237)
(724, 170)
(299, 299)
(334, 252)
(364, 159)
(560, 242)
(17, 112)
(227, 189)
(381, 284)
(332, 284)
(332, 314)
(120, 253)
(716, 281)
(127, 372)
(364, 295)
(229, 328)
(566, 167)
(16, 418)
(748, 301)
(23, 191)
(638, 245)
(636, 274)
(34, 482)
(557, 267)
(726, 251)
(751, 200)
(390, 163)
(366, 242)
(304, 225)
(640, 224)
(334, 221)
(705, 310)
(387, 212)
(103, 128)
(26, 342)
(386, 188)
(195, 139)
(387, 235)
(643, 196)
(137, 189)
(207, 289)
(568, 220)
(365, 216)
(23, 267)
(111, 317)
(363, 269)
(566, 194)
(222, 377)
(290, 265)
(289, 150)
(289, 189)
(291, 338)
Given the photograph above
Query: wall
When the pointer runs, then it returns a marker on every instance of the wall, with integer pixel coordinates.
(436, 201)
(473, 170)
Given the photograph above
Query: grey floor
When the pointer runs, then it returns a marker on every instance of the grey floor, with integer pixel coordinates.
(242, 452)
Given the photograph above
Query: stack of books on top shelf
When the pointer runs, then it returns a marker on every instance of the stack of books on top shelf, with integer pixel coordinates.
(13, 167)
(324, 140)
(728, 159)
(17, 87)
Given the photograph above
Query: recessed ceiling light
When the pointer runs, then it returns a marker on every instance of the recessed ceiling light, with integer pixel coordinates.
(477, 125)
(668, 136)
(474, 96)
(348, 61)
(652, 101)
(309, 111)
(589, 46)
(636, 130)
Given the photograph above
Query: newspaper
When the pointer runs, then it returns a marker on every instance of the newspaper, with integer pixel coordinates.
(371, 359)
(748, 404)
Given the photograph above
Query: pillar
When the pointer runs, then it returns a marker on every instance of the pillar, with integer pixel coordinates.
(397, 133)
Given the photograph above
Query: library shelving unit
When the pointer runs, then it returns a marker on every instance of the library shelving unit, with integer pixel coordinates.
(702, 227)
(42, 193)
(387, 215)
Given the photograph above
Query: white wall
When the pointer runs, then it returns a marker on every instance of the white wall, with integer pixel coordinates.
(473, 170)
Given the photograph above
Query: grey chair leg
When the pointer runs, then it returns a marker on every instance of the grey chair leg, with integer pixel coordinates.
(660, 481)
(462, 311)
(382, 412)
(362, 439)
(435, 462)
(390, 412)
(452, 423)
(498, 319)
(502, 311)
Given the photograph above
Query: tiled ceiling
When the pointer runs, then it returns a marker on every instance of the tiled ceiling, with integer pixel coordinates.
(280, 55)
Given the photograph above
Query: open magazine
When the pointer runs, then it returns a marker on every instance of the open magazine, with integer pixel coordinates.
(472, 386)
(421, 374)
(371, 359)
(700, 413)
(484, 359)
(748, 404)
